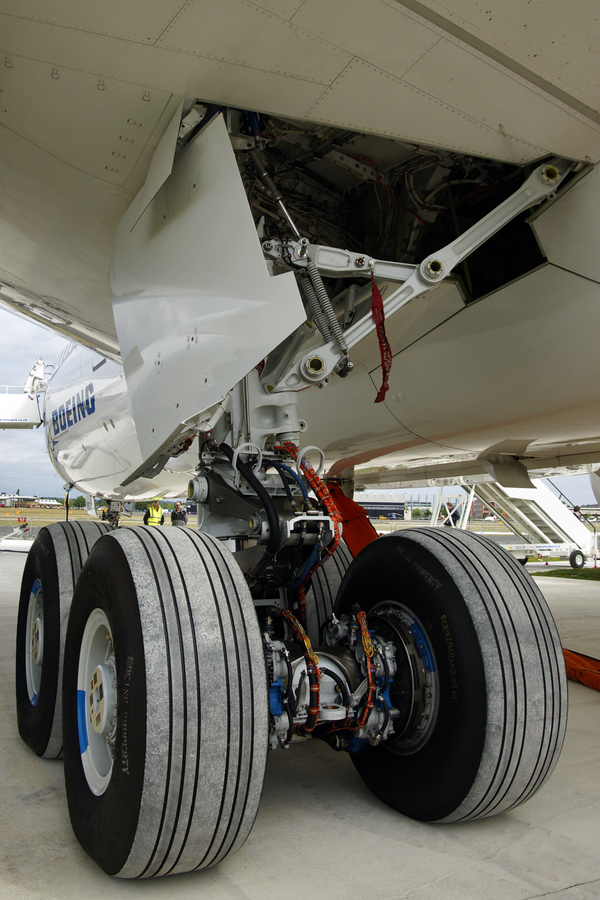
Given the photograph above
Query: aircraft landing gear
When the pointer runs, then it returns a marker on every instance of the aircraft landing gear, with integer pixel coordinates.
(440, 672)
(437, 667)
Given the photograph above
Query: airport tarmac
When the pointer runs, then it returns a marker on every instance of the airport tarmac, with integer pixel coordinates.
(320, 833)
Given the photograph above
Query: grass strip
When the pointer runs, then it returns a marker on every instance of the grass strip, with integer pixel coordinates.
(581, 574)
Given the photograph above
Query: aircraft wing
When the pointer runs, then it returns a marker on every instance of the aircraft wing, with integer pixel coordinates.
(88, 91)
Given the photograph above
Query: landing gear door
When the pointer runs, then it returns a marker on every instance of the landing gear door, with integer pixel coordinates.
(194, 304)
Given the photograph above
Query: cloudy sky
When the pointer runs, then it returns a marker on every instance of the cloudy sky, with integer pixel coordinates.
(24, 462)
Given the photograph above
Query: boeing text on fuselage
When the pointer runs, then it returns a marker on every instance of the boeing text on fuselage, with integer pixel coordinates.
(78, 407)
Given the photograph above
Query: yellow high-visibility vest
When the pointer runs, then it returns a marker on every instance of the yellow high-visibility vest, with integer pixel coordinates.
(155, 515)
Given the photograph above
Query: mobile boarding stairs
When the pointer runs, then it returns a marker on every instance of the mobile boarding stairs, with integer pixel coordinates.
(541, 523)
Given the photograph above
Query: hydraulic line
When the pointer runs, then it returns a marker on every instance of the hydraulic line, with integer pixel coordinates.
(292, 699)
(286, 486)
(386, 720)
(325, 304)
(312, 667)
(363, 718)
(315, 309)
(340, 683)
(283, 468)
(286, 473)
(326, 499)
(290, 732)
(274, 528)
(271, 187)
(302, 577)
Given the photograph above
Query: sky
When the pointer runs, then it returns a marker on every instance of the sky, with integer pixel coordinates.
(24, 461)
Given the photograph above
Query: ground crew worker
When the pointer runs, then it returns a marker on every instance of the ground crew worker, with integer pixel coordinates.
(179, 515)
(154, 515)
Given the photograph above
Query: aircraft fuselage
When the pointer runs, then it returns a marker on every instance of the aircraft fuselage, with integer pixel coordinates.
(90, 432)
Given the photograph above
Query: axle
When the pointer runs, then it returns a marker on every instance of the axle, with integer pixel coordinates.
(339, 692)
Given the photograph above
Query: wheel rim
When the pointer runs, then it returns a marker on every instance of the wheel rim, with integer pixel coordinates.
(97, 701)
(415, 687)
(34, 642)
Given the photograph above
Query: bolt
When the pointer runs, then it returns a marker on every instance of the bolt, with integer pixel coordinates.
(360, 261)
(300, 251)
(267, 246)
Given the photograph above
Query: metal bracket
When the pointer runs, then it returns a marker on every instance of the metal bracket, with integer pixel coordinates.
(316, 366)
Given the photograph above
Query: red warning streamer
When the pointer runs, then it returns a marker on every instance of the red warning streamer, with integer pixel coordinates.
(384, 347)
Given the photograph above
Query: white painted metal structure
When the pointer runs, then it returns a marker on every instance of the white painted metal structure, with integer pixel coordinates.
(18, 410)
(537, 515)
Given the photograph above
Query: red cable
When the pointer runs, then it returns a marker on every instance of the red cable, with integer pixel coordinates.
(378, 314)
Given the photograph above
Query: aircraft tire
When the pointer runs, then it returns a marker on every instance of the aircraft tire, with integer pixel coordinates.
(577, 559)
(325, 584)
(169, 778)
(51, 571)
(487, 656)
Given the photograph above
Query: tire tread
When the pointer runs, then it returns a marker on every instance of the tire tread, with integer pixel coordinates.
(518, 774)
(195, 589)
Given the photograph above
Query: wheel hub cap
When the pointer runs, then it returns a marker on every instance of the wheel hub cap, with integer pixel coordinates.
(34, 642)
(97, 701)
(102, 698)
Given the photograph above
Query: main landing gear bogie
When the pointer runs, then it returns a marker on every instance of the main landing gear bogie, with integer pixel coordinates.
(439, 670)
